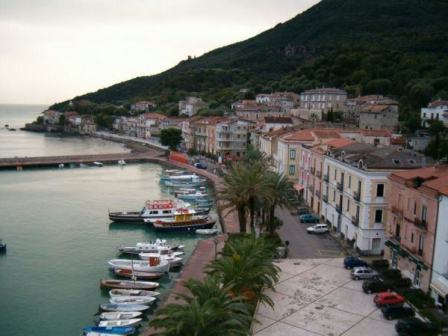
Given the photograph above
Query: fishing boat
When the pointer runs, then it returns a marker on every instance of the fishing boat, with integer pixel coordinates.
(184, 222)
(2, 246)
(150, 247)
(133, 293)
(128, 284)
(110, 330)
(211, 231)
(119, 315)
(113, 307)
(125, 273)
(120, 323)
(152, 210)
(153, 265)
(143, 300)
(172, 259)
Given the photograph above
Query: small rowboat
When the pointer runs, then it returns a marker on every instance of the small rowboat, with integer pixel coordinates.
(154, 265)
(125, 273)
(119, 323)
(113, 307)
(128, 284)
(143, 300)
(119, 315)
(111, 330)
(132, 292)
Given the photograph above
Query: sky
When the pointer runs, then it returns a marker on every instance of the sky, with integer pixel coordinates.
(53, 50)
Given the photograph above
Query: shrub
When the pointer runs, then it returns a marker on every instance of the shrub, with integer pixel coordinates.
(380, 264)
(391, 274)
(418, 298)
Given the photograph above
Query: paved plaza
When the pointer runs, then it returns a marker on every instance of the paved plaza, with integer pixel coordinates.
(316, 297)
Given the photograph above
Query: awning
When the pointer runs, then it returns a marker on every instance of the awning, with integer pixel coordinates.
(298, 187)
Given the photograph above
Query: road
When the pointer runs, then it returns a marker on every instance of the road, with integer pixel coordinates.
(302, 244)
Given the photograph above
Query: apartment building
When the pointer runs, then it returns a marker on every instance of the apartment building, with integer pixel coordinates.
(285, 100)
(379, 116)
(354, 106)
(355, 191)
(413, 220)
(191, 105)
(436, 110)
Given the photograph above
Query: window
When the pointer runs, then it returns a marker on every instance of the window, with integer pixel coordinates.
(349, 181)
(412, 237)
(380, 190)
(348, 205)
(424, 213)
(292, 169)
(335, 174)
(334, 195)
(378, 216)
(292, 154)
(415, 208)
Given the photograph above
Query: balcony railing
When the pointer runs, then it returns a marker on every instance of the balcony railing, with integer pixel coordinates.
(319, 174)
(326, 178)
(355, 220)
(313, 170)
(357, 196)
(340, 186)
(338, 208)
(325, 198)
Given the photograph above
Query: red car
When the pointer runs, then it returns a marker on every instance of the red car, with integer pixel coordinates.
(388, 298)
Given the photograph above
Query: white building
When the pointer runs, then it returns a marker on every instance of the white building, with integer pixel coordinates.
(190, 106)
(325, 99)
(436, 110)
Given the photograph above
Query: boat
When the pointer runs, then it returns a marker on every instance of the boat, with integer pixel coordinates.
(132, 292)
(194, 196)
(121, 162)
(174, 172)
(152, 209)
(2, 246)
(190, 211)
(110, 330)
(184, 222)
(172, 259)
(94, 333)
(98, 164)
(82, 165)
(120, 323)
(143, 300)
(153, 265)
(119, 315)
(61, 165)
(186, 184)
(184, 190)
(113, 307)
(137, 275)
(11, 129)
(128, 284)
(151, 246)
(212, 231)
(181, 176)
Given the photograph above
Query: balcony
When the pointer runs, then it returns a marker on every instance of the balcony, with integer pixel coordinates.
(313, 170)
(357, 196)
(338, 208)
(319, 174)
(421, 223)
(355, 221)
(326, 178)
(340, 186)
(325, 198)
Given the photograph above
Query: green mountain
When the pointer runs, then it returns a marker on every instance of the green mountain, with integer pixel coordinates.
(394, 47)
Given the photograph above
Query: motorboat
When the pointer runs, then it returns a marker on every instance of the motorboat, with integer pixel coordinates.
(212, 231)
(144, 300)
(125, 273)
(121, 162)
(119, 315)
(172, 259)
(2, 246)
(181, 176)
(110, 330)
(153, 210)
(184, 222)
(183, 191)
(133, 293)
(112, 307)
(128, 284)
(170, 172)
(197, 182)
(120, 323)
(94, 333)
(98, 164)
(61, 165)
(153, 265)
(190, 211)
(150, 247)
(193, 196)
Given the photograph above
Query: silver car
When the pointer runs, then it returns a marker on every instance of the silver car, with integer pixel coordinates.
(363, 273)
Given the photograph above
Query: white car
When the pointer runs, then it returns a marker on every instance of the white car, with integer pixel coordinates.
(318, 228)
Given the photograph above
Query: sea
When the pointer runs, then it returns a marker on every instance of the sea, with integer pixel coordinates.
(59, 238)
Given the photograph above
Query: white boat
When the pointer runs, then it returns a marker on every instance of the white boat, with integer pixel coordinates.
(143, 300)
(119, 323)
(123, 307)
(179, 177)
(207, 231)
(82, 165)
(121, 162)
(173, 260)
(174, 212)
(94, 333)
(119, 315)
(193, 196)
(98, 164)
(61, 165)
(154, 265)
(150, 247)
(132, 293)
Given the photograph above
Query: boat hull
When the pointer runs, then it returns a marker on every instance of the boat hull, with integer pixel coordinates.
(137, 217)
(128, 284)
(184, 228)
(119, 315)
(110, 307)
(124, 273)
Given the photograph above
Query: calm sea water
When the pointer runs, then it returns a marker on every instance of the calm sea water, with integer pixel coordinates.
(59, 240)
(22, 143)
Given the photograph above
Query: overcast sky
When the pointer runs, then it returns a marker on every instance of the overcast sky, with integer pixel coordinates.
(52, 50)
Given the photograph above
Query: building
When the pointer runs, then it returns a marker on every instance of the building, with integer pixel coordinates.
(415, 215)
(378, 116)
(143, 106)
(286, 100)
(356, 191)
(148, 123)
(191, 105)
(314, 104)
(436, 110)
(87, 125)
(51, 117)
(257, 112)
(356, 105)
(419, 141)
(274, 123)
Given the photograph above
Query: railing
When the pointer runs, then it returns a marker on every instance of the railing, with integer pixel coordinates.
(326, 178)
(338, 208)
(355, 220)
(319, 174)
(325, 198)
(357, 196)
(340, 186)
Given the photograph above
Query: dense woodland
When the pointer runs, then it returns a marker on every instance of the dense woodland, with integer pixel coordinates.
(392, 47)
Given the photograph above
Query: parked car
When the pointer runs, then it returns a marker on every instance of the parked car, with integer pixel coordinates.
(318, 228)
(396, 312)
(350, 262)
(200, 165)
(302, 210)
(309, 218)
(375, 286)
(415, 327)
(363, 273)
(388, 298)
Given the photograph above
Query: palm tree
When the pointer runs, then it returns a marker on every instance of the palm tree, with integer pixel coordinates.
(247, 268)
(210, 311)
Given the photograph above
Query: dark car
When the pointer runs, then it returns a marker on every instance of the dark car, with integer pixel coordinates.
(392, 312)
(415, 327)
(200, 165)
(350, 262)
(375, 286)
(301, 210)
(309, 218)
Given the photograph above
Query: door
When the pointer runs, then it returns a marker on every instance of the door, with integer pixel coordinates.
(376, 245)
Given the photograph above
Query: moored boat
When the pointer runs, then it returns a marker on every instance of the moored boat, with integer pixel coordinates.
(132, 292)
(110, 330)
(120, 323)
(119, 315)
(125, 273)
(2, 246)
(207, 231)
(143, 300)
(112, 307)
(153, 265)
(128, 284)
(171, 259)
(198, 195)
(158, 245)
(184, 222)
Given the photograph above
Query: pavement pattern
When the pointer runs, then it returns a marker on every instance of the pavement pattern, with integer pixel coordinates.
(316, 297)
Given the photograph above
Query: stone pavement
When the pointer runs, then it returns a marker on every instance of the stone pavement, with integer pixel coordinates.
(316, 297)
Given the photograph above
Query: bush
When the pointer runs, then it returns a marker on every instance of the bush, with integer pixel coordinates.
(380, 264)
(418, 298)
(391, 274)
(399, 283)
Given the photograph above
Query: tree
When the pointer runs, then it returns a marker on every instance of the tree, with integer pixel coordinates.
(171, 137)
(210, 311)
(436, 148)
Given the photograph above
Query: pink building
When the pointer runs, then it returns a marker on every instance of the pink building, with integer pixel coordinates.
(412, 222)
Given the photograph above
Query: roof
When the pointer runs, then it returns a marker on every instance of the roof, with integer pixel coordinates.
(313, 134)
(336, 143)
(435, 178)
(212, 120)
(325, 91)
(376, 133)
(375, 108)
(151, 115)
(278, 120)
(437, 103)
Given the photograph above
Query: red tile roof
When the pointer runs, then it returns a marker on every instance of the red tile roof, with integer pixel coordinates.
(336, 143)
(435, 178)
